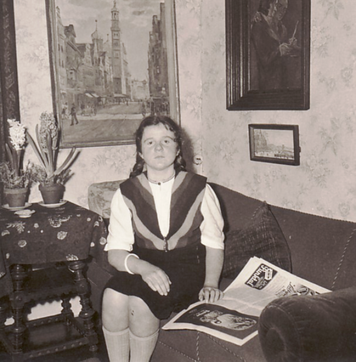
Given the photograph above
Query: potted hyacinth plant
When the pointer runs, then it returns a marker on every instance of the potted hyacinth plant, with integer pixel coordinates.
(15, 178)
(51, 178)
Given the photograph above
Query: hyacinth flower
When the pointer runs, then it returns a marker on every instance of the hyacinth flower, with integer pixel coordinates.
(17, 136)
(12, 173)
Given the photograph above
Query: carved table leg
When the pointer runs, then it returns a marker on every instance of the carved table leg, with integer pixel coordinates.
(17, 299)
(87, 312)
(67, 310)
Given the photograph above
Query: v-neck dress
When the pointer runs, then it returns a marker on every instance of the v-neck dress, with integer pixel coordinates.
(157, 241)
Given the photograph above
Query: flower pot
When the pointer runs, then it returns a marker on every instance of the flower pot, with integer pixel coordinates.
(16, 197)
(52, 194)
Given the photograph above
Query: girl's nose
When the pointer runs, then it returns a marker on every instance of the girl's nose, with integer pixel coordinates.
(158, 146)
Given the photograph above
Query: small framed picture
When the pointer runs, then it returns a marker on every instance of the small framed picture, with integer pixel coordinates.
(274, 143)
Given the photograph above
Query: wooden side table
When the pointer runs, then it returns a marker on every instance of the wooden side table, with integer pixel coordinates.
(46, 255)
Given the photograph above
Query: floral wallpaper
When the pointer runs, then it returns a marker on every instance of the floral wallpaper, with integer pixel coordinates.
(323, 184)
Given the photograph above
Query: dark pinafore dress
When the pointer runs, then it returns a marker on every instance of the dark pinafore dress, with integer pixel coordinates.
(180, 254)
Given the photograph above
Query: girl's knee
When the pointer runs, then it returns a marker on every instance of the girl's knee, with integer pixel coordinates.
(114, 310)
(142, 321)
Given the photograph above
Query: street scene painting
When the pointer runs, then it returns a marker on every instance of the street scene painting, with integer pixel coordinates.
(274, 143)
(112, 64)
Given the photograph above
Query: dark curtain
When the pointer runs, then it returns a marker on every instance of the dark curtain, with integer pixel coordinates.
(9, 94)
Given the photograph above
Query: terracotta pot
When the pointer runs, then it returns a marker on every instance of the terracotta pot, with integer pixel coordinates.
(52, 194)
(16, 197)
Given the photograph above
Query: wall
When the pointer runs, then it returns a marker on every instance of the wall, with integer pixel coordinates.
(322, 184)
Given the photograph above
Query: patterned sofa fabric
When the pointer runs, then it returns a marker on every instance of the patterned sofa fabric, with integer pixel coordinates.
(100, 195)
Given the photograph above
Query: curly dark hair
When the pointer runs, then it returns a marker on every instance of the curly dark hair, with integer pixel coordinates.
(179, 163)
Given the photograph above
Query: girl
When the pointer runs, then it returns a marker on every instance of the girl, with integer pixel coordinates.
(165, 239)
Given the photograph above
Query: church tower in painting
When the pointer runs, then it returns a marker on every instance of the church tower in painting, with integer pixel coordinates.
(117, 58)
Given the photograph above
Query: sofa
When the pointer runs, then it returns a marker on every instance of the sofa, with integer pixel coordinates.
(298, 328)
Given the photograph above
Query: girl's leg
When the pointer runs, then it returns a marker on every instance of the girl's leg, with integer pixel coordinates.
(116, 325)
(143, 330)
(117, 345)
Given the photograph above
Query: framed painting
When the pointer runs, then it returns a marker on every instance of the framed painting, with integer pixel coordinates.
(275, 143)
(112, 64)
(268, 54)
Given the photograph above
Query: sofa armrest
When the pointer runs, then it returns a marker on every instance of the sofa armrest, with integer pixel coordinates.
(100, 195)
(310, 328)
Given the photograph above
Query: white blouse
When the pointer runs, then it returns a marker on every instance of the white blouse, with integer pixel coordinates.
(121, 234)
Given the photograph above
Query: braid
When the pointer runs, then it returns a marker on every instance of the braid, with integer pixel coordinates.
(180, 164)
(138, 167)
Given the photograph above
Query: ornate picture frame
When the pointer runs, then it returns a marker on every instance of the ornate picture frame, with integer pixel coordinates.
(268, 54)
(112, 63)
(275, 143)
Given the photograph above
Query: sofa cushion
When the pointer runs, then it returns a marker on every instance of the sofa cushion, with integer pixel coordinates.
(310, 328)
(236, 208)
(262, 237)
(323, 249)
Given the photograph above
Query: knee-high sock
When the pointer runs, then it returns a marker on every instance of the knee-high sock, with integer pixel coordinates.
(117, 345)
(141, 348)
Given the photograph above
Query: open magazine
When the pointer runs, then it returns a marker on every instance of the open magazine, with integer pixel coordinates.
(234, 318)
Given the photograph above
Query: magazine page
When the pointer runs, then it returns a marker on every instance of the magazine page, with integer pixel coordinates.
(216, 320)
(234, 318)
(259, 283)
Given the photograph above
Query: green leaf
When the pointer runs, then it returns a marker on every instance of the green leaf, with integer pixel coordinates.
(43, 153)
(67, 161)
(35, 149)
(10, 156)
(50, 155)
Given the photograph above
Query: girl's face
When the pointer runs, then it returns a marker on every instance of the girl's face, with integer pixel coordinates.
(159, 148)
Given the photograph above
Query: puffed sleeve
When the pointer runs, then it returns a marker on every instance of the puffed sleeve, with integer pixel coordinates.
(121, 235)
(212, 234)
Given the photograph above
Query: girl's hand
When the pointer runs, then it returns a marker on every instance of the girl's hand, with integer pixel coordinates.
(156, 279)
(210, 294)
